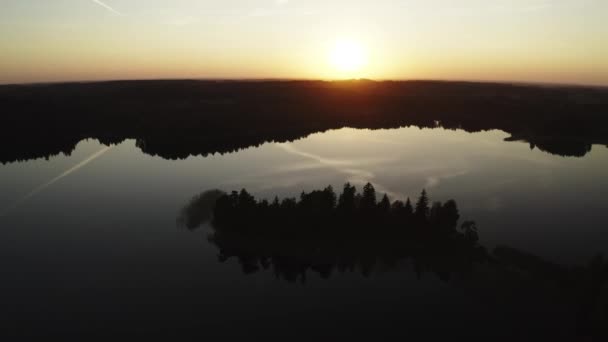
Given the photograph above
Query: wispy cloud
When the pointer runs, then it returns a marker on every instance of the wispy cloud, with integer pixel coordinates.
(433, 181)
(108, 7)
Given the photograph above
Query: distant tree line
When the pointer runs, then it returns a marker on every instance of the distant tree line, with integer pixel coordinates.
(177, 119)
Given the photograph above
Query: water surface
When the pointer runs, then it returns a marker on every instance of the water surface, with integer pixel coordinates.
(92, 237)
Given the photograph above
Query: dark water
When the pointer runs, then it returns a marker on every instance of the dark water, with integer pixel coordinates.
(89, 242)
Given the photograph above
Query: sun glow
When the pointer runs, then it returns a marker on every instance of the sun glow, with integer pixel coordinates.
(348, 56)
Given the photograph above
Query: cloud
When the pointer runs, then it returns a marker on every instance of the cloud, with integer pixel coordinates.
(281, 2)
(108, 7)
(433, 181)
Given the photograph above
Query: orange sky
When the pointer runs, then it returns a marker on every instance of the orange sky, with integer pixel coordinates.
(533, 40)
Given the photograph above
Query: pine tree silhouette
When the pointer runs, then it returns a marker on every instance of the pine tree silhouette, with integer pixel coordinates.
(385, 205)
(422, 206)
(368, 199)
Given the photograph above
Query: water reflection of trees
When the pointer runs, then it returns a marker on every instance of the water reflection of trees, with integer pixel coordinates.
(176, 119)
(584, 287)
(325, 233)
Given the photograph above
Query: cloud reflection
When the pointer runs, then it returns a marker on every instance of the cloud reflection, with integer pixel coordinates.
(357, 176)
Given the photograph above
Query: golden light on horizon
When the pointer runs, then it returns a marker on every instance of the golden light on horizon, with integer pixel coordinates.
(110, 39)
(348, 56)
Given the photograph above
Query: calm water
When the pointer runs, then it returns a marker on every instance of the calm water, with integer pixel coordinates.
(92, 237)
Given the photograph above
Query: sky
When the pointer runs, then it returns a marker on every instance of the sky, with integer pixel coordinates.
(548, 41)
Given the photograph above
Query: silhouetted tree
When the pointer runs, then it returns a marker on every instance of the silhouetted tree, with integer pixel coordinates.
(288, 203)
(435, 212)
(318, 202)
(469, 229)
(398, 206)
(384, 206)
(422, 206)
(409, 210)
(246, 202)
(199, 210)
(368, 199)
(346, 201)
(449, 216)
(330, 196)
(275, 203)
(225, 206)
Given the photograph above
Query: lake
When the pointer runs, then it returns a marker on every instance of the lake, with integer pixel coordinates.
(90, 241)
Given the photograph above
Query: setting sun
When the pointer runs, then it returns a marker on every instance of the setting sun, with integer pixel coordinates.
(348, 56)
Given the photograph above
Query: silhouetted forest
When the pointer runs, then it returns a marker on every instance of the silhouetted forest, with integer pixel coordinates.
(324, 232)
(176, 119)
(328, 233)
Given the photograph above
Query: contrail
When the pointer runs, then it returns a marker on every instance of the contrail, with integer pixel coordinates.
(52, 181)
(108, 7)
(357, 176)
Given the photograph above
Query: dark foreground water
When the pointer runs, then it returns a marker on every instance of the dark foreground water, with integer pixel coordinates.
(89, 243)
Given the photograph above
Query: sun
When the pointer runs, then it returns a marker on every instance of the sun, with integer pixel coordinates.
(348, 56)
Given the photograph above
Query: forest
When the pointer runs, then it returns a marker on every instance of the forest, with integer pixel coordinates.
(175, 119)
(329, 234)
(322, 229)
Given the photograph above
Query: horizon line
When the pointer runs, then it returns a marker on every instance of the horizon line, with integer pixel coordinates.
(284, 79)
